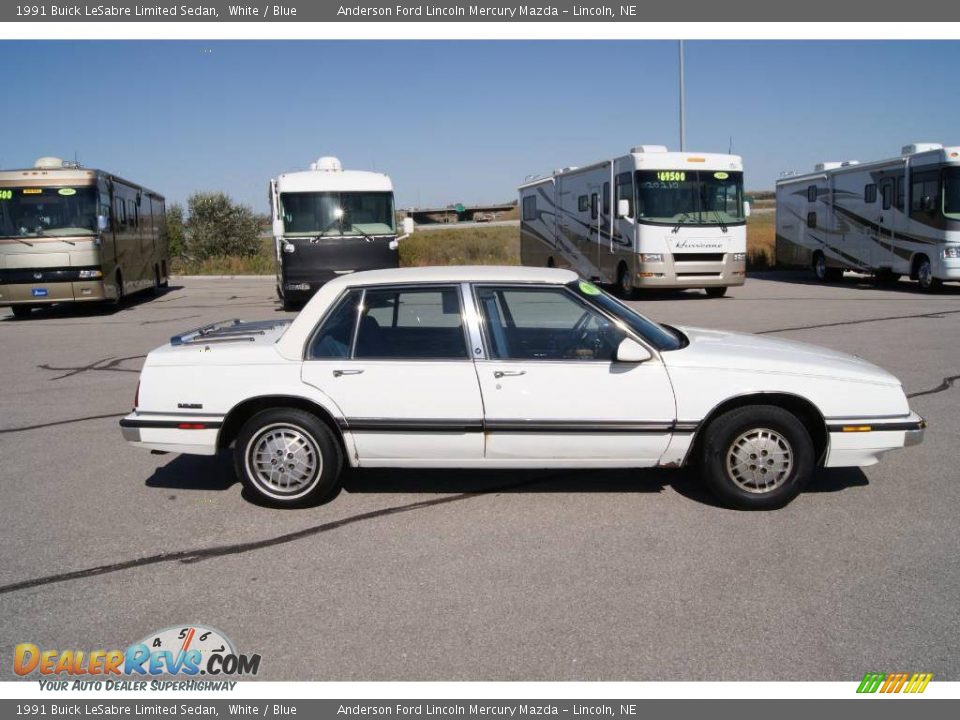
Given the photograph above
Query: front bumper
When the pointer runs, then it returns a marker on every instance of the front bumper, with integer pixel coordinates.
(188, 434)
(677, 271)
(862, 441)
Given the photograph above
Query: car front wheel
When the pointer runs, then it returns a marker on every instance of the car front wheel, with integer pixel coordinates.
(757, 457)
(288, 458)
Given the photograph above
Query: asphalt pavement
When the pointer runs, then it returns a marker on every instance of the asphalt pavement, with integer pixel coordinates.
(454, 575)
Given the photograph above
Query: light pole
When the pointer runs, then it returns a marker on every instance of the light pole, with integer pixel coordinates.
(683, 127)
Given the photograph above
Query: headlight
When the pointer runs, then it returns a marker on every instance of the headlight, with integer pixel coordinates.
(951, 252)
(297, 286)
(651, 257)
(739, 257)
(90, 274)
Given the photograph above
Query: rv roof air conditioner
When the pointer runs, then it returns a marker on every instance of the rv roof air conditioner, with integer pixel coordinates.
(327, 163)
(915, 148)
(649, 149)
(48, 163)
(820, 167)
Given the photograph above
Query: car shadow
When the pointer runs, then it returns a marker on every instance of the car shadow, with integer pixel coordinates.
(193, 472)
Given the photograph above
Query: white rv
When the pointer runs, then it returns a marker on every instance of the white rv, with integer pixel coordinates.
(678, 220)
(327, 222)
(890, 217)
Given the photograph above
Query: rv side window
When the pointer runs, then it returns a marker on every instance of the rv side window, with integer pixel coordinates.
(900, 193)
(594, 202)
(625, 189)
(812, 193)
(583, 203)
(530, 207)
(606, 197)
(811, 219)
(887, 191)
(870, 193)
(924, 194)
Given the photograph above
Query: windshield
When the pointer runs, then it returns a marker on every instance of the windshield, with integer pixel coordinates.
(951, 193)
(336, 213)
(38, 211)
(689, 197)
(655, 334)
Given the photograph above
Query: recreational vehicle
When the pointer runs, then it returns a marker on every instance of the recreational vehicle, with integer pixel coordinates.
(673, 220)
(891, 218)
(70, 234)
(327, 222)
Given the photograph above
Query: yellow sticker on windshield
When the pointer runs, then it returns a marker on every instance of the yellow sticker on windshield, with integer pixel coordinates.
(721, 175)
(589, 288)
(67, 191)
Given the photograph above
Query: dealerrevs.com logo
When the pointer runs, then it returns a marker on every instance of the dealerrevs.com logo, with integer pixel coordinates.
(910, 683)
(188, 650)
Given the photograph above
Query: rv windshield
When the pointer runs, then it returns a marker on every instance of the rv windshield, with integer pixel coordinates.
(336, 213)
(951, 193)
(689, 197)
(51, 211)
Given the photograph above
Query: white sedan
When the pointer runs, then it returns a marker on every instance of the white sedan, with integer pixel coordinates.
(506, 367)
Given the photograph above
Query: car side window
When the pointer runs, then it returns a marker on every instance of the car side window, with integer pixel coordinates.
(334, 337)
(411, 323)
(545, 324)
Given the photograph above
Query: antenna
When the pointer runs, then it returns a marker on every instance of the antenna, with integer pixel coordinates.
(730, 146)
(683, 126)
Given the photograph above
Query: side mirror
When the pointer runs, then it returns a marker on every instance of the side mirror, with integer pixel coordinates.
(103, 222)
(288, 247)
(630, 351)
(623, 208)
(746, 209)
(407, 225)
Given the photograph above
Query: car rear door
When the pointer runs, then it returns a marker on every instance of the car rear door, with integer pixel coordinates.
(395, 360)
(553, 393)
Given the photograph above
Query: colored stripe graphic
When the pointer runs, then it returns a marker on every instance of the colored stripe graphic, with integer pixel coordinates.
(891, 683)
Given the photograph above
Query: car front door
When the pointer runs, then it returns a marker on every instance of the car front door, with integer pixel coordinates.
(395, 361)
(553, 393)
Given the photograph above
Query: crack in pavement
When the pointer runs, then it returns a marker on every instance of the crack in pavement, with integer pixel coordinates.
(945, 384)
(937, 314)
(59, 422)
(111, 364)
(200, 554)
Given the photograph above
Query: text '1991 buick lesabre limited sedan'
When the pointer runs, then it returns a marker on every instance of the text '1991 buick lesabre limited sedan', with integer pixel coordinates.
(502, 367)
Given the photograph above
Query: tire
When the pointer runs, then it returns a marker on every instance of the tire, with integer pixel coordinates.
(21, 312)
(156, 280)
(715, 292)
(925, 279)
(740, 436)
(310, 448)
(289, 305)
(118, 301)
(824, 273)
(625, 288)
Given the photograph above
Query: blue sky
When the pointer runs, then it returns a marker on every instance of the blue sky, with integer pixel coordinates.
(460, 121)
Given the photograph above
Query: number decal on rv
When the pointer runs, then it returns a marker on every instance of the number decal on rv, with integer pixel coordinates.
(671, 176)
(6, 194)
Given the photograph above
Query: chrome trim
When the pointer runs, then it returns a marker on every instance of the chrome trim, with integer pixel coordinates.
(913, 437)
(471, 318)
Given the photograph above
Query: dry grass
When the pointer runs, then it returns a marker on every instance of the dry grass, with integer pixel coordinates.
(761, 241)
(497, 245)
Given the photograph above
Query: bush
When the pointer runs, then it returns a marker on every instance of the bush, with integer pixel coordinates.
(219, 227)
(176, 230)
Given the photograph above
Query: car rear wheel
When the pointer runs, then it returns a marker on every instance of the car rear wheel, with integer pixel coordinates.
(757, 457)
(288, 458)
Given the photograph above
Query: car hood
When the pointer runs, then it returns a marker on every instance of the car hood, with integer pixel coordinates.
(719, 349)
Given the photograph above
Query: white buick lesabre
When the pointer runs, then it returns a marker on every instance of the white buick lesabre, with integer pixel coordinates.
(504, 367)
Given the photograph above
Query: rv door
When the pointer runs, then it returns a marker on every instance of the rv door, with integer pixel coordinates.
(882, 252)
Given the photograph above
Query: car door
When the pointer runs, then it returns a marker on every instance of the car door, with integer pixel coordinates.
(553, 393)
(395, 361)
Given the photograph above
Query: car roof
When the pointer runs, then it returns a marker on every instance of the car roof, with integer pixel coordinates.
(455, 274)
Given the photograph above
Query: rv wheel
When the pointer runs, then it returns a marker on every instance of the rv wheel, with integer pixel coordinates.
(925, 277)
(624, 283)
(715, 292)
(820, 267)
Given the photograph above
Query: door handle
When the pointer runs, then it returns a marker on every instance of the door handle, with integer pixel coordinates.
(508, 373)
(339, 373)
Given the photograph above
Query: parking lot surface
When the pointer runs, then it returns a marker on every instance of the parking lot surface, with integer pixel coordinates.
(453, 575)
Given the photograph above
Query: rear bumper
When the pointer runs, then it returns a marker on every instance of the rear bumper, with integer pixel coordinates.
(862, 441)
(188, 434)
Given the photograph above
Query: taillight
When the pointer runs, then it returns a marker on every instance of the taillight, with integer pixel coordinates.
(136, 397)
